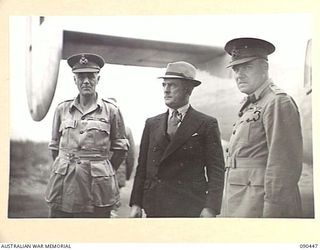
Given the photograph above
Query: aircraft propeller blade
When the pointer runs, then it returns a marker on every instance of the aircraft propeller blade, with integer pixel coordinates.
(43, 55)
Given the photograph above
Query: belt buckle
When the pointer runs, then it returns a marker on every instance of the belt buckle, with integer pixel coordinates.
(72, 158)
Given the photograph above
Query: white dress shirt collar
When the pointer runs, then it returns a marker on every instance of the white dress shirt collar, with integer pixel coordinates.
(182, 110)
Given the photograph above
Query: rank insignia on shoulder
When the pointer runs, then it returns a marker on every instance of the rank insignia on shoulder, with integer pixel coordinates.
(275, 89)
(111, 100)
(70, 100)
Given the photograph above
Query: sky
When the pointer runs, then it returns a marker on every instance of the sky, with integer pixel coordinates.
(137, 89)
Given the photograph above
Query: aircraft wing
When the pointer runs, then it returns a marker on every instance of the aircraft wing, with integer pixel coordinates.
(46, 48)
(137, 52)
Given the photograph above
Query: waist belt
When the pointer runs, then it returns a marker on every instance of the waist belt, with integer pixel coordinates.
(83, 155)
(246, 162)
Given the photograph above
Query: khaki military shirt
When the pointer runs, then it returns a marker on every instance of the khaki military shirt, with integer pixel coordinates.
(82, 176)
(264, 158)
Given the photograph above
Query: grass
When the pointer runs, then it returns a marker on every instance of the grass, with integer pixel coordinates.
(29, 172)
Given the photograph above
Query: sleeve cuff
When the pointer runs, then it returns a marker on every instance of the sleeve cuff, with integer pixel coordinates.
(53, 145)
(120, 144)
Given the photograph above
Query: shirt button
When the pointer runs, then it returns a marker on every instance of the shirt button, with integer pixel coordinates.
(181, 164)
(81, 132)
(159, 180)
(82, 118)
(233, 132)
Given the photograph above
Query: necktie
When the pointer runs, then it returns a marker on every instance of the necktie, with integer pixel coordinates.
(249, 99)
(173, 123)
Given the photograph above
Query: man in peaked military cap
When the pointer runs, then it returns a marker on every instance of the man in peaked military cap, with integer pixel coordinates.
(180, 170)
(264, 157)
(85, 130)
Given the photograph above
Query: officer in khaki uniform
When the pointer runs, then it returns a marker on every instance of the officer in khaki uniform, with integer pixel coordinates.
(264, 157)
(85, 130)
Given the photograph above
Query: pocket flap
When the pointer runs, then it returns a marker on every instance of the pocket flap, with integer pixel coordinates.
(60, 166)
(257, 177)
(101, 168)
(97, 125)
(246, 177)
(238, 177)
(67, 124)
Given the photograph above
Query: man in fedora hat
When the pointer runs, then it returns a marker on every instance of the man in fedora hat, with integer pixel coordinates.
(180, 170)
(85, 130)
(264, 157)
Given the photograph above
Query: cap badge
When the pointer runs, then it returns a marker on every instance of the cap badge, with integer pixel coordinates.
(235, 53)
(83, 60)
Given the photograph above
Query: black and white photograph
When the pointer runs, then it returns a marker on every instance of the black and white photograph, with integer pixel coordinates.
(182, 116)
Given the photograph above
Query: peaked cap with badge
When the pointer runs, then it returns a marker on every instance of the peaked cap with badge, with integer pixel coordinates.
(247, 49)
(85, 62)
(181, 70)
(81, 143)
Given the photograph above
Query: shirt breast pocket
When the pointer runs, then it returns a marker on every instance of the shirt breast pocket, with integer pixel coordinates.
(97, 133)
(66, 125)
(67, 129)
(249, 127)
(98, 126)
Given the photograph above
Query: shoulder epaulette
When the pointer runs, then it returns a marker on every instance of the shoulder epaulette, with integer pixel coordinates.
(70, 100)
(110, 101)
(275, 89)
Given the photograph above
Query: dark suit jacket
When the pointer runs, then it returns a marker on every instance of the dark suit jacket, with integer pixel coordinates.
(178, 178)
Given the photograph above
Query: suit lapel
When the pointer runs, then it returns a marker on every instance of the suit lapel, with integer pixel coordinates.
(189, 125)
(159, 131)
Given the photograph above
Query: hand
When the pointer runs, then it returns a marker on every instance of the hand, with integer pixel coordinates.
(117, 158)
(136, 212)
(207, 213)
(54, 154)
